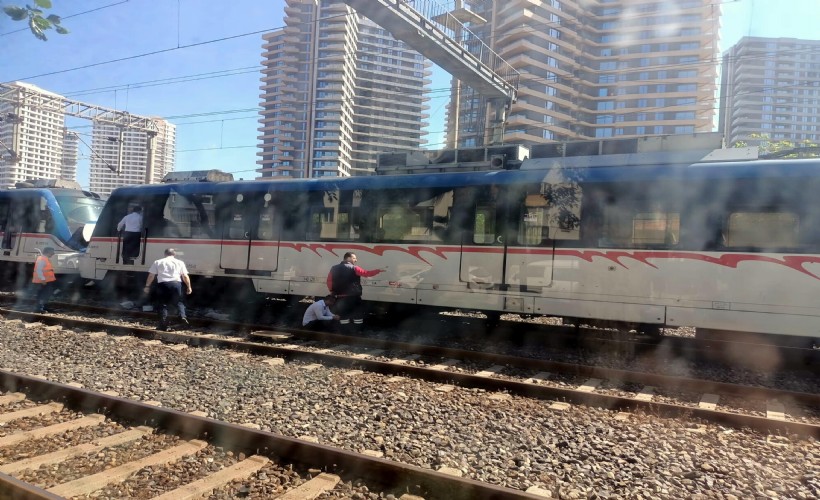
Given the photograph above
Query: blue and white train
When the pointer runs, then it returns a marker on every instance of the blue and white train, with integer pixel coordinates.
(721, 246)
(45, 213)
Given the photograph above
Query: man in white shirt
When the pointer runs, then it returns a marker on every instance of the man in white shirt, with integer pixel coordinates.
(131, 227)
(170, 274)
(319, 317)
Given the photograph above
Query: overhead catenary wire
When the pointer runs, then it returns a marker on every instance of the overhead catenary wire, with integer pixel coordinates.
(533, 79)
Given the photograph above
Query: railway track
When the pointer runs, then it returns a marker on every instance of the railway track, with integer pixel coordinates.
(537, 336)
(740, 406)
(62, 430)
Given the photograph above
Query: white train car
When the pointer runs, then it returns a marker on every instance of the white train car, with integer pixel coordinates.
(727, 246)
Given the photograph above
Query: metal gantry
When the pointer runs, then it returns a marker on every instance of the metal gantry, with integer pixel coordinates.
(440, 35)
(70, 107)
(23, 96)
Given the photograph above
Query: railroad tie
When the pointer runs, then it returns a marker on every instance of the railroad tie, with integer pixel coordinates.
(75, 451)
(313, 488)
(538, 378)
(405, 360)
(709, 401)
(51, 430)
(369, 354)
(450, 471)
(539, 492)
(775, 410)
(646, 394)
(560, 406)
(11, 398)
(31, 412)
(94, 482)
(444, 365)
(590, 385)
(490, 372)
(203, 487)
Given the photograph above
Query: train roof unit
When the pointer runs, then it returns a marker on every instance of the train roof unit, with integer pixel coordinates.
(653, 150)
(48, 183)
(505, 157)
(212, 175)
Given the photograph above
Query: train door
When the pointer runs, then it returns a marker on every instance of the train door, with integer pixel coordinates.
(236, 234)
(264, 251)
(484, 239)
(541, 216)
(5, 228)
(250, 235)
(22, 213)
(38, 223)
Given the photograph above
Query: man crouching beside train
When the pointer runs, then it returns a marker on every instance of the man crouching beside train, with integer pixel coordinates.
(345, 282)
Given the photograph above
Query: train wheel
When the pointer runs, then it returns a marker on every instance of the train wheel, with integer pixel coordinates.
(650, 329)
(493, 321)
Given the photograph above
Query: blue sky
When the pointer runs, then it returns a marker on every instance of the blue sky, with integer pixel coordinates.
(220, 41)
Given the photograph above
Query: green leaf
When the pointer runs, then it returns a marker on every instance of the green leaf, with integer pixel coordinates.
(54, 19)
(15, 13)
(41, 23)
(46, 4)
(61, 30)
(36, 31)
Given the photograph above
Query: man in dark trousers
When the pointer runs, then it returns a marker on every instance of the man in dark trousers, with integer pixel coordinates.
(171, 274)
(318, 317)
(131, 227)
(345, 282)
(43, 277)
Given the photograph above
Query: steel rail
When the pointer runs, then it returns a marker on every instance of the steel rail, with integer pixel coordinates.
(393, 475)
(626, 376)
(732, 419)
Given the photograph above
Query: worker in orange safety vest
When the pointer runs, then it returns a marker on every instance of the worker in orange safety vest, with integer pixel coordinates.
(43, 277)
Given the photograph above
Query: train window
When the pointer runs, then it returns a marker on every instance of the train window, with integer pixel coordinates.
(656, 228)
(484, 226)
(404, 215)
(533, 227)
(186, 216)
(266, 229)
(330, 215)
(402, 223)
(80, 210)
(322, 223)
(762, 230)
(630, 227)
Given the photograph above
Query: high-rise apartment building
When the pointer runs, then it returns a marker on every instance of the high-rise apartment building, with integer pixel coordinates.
(595, 69)
(32, 132)
(337, 89)
(71, 148)
(120, 157)
(770, 88)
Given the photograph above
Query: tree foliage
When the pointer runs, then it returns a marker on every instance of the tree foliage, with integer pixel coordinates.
(782, 149)
(38, 23)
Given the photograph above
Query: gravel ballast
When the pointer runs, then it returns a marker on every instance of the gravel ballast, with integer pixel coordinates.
(578, 453)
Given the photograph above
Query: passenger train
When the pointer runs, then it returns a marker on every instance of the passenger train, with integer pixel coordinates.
(720, 246)
(45, 213)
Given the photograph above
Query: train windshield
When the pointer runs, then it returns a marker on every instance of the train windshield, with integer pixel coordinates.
(80, 210)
